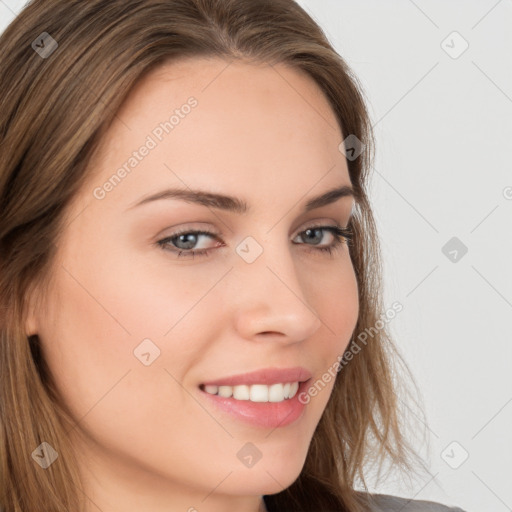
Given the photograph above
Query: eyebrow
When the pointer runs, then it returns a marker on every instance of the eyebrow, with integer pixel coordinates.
(236, 205)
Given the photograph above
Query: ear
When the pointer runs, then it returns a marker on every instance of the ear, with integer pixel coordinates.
(31, 318)
(30, 326)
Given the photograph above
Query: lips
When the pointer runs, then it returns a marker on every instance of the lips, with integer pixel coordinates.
(267, 376)
(265, 398)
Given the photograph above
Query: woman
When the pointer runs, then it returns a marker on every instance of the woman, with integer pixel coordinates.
(188, 255)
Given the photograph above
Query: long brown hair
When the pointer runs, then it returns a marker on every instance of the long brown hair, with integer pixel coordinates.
(54, 109)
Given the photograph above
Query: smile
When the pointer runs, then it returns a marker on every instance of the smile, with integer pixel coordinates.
(256, 392)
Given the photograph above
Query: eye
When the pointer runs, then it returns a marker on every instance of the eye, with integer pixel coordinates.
(183, 242)
(316, 234)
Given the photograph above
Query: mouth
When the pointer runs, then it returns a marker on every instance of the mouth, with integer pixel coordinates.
(266, 398)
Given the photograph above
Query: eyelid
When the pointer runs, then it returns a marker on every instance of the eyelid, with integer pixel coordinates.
(319, 224)
(187, 228)
(193, 227)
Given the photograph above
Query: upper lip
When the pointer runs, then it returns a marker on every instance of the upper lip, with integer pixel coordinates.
(264, 376)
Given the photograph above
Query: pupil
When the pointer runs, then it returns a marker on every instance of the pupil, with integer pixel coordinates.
(189, 243)
(317, 231)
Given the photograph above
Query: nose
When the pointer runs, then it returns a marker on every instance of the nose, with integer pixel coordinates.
(271, 300)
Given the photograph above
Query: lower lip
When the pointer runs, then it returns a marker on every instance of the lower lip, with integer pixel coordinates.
(262, 414)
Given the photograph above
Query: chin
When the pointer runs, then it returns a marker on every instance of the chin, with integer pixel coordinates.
(270, 475)
(259, 482)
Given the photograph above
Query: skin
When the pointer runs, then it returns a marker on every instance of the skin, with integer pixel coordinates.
(146, 438)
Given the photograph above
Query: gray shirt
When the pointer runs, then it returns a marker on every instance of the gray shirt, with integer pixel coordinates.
(388, 503)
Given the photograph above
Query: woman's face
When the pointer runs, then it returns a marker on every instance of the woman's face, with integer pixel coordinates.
(132, 332)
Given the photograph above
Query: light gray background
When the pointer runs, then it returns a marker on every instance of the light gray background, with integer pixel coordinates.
(443, 130)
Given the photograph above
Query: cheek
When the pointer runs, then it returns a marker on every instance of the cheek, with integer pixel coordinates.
(119, 327)
(104, 323)
(337, 304)
(89, 341)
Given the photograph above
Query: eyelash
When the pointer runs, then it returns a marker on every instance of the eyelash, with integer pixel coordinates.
(339, 233)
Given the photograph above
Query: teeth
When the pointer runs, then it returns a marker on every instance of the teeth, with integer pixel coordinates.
(225, 391)
(276, 393)
(241, 392)
(256, 392)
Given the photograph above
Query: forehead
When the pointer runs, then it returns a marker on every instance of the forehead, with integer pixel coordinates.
(216, 124)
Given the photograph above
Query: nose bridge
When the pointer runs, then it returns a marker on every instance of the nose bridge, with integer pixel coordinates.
(271, 297)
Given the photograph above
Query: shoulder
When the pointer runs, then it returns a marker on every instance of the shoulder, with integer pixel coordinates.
(389, 503)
